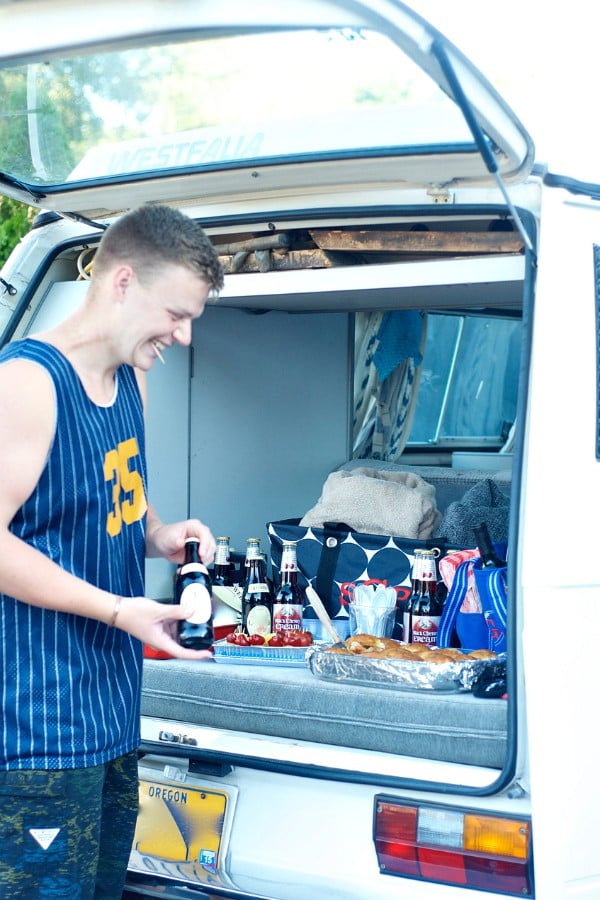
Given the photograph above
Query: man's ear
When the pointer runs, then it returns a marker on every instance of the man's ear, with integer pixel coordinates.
(122, 280)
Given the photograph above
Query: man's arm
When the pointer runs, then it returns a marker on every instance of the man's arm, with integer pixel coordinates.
(27, 426)
(168, 541)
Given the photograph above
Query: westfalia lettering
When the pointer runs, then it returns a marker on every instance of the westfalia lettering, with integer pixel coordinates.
(173, 795)
(187, 153)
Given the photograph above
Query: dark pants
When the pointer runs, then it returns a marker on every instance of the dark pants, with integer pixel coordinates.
(67, 835)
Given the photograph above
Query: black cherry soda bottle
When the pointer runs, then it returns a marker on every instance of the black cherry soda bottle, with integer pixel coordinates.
(415, 596)
(288, 606)
(426, 613)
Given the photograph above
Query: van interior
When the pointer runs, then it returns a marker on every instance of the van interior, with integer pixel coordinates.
(280, 388)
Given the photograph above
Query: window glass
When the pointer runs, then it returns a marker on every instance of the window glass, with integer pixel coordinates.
(218, 100)
(597, 299)
(468, 387)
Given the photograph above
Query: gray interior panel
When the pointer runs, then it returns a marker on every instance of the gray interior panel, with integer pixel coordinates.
(167, 436)
(269, 415)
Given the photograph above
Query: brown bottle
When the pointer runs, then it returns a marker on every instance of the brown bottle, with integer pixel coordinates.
(257, 597)
(193, 586)
(222, 567)
(288, 606)
(489, 557)
(414, 599)
(427, 611)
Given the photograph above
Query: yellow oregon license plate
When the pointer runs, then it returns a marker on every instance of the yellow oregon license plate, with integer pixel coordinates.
(179, 830)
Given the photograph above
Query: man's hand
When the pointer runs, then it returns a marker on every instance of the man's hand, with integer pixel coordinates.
(168, 541)
(156, 625)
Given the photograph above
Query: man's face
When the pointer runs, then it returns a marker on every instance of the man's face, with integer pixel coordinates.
(165, 306)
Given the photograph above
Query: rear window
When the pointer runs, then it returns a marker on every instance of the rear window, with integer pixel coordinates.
(468, 385)
(433, 380)
(218, 100)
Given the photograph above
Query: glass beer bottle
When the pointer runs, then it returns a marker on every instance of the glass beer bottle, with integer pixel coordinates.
(193, 586)
(288, 606)
(426, 613)
(257, 597)
(415, 596)
(487, 551)
(222, 567)
(252, 549)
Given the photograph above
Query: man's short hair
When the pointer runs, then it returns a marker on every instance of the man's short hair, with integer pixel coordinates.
(154, 235)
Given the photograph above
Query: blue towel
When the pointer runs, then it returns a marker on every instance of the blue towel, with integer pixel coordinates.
(399, 338)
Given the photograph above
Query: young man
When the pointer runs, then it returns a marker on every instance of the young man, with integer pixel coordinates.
(75, 526)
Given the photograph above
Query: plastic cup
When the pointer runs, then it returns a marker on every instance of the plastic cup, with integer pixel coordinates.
(368, 619)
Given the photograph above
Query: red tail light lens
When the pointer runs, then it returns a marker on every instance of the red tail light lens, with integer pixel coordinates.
(454, 846)
(397, 835)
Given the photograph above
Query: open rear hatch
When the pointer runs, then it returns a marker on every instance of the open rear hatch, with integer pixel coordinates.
(351, 152)
(100, 114)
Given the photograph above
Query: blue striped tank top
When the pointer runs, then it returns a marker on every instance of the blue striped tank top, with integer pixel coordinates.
(71, 685)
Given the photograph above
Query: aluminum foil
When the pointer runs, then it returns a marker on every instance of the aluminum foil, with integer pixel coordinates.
(262, 654)
(401, 674)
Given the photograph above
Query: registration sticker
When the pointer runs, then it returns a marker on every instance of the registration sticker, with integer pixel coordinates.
(179, 831)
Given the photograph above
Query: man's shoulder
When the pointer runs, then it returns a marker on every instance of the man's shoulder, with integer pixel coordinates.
(21, 358)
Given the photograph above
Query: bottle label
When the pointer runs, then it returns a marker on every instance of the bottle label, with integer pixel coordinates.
(425, 629)
(259, 620)
(259, 588)
(193, 567)
(197, 597)
(287, 617)
(253, 552)
(428, 572)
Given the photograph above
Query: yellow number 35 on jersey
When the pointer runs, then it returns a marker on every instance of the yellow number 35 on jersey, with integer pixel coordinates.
(128, 496)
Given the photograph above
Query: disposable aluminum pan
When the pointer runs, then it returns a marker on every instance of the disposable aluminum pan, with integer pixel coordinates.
(401, 674)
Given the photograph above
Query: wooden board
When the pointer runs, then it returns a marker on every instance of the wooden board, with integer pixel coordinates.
(278, 262)
(418, 241)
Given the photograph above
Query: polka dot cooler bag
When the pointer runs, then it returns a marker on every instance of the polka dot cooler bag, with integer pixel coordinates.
(334, 557)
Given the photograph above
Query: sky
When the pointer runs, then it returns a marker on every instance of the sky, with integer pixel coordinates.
(542, 58)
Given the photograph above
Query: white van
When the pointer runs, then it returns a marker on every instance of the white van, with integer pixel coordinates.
(348, 162)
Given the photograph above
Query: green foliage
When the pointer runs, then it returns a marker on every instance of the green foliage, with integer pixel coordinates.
(52, 113)
(15, 221)
(48, 121)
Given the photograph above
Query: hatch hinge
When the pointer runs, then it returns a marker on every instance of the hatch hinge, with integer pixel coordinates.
(9, 289)
(438, 50)
(77, 217)
(440, 195)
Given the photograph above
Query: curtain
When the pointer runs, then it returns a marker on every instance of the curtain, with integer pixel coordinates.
(387, 365)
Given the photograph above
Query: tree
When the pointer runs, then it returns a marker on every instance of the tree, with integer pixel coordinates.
(47, 121)
(15, 221)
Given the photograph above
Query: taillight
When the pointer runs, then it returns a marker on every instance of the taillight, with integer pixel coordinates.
(454, 846)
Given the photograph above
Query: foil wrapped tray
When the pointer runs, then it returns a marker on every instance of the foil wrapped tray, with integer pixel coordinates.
(403, 674)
